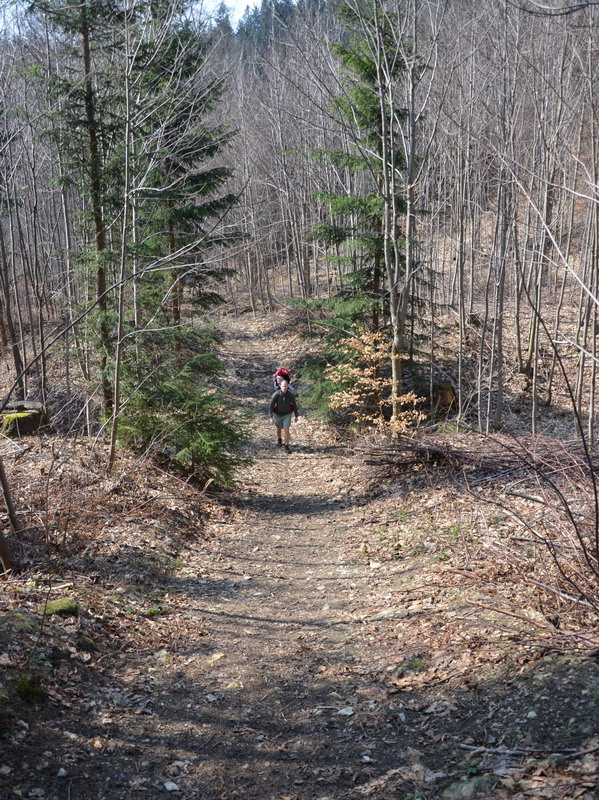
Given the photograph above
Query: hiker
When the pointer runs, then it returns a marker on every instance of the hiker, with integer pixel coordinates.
(282, 404)
(280, 375)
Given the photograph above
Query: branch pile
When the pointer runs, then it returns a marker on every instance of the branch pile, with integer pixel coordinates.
(490, 459)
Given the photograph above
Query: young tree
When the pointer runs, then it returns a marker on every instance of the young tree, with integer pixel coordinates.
(171, 145)
(380, 107)
(85, 124)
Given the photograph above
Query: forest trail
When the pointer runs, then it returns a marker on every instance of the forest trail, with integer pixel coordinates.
(286, 688)
(295, 589)
(326, 673)
(313, 643)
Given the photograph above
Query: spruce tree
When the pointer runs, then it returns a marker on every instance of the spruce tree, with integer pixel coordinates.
(84, 127)
(362, 219)
(155, 190)
(181, 198)
(373, 60)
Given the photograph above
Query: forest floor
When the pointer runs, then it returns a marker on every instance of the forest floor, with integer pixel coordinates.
(313, 634)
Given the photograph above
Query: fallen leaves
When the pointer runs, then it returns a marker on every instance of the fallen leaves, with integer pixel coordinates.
(210, 639)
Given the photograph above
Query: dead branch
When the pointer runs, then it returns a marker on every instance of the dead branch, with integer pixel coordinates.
(494, 458)
(563, 595)
(568, 752)
(569, 635)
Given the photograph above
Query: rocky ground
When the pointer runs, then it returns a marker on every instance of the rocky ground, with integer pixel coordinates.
(311, 635)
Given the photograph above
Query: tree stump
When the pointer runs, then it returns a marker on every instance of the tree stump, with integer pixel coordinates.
(443, 397)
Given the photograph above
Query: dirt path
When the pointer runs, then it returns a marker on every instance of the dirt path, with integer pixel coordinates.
(329, 674)
(286, 617)
(289, 662)
(287, 696)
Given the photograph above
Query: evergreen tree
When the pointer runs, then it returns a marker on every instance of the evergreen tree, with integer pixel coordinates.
(141, 99)
(262, 27)
(363, 219)
(221, 23)
(373, 60)
(85, 124)
(179, 201)
(174, 410)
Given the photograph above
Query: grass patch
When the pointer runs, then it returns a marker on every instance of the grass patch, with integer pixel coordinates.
(28, 688)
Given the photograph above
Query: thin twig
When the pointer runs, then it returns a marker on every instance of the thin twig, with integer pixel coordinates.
(511, 614)
(563, 594)
(569, 752)
(579, 637)
(43, 622)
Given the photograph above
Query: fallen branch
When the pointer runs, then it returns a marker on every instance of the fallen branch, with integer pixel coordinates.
(563, 595)
(495, 459)
(569, 752)
(579, 637)
(512, 614)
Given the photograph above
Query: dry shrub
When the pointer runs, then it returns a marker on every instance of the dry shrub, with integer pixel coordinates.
(365, 396)
(557, 547)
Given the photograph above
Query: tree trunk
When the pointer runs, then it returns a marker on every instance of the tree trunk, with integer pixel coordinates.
(95, 168)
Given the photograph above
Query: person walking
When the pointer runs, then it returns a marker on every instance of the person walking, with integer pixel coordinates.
(283, 404)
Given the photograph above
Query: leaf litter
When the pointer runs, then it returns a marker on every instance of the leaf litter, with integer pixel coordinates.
(315, 633)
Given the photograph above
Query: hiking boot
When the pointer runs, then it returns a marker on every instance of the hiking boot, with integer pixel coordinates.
(287, 448)
(279, 443)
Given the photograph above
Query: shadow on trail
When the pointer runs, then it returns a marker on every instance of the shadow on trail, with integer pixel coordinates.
(271, 451)
(288, 624)
(288, 505)
(334, 728)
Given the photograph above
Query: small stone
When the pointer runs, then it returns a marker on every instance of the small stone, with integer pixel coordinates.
(162, 656)
(170, 786)
(465, 790)
(118, 699)
(385, 614)
(176, 768)
(531, 715)
(61, 773)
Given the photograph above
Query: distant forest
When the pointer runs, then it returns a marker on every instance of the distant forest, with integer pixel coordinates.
(416, 180)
